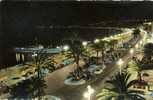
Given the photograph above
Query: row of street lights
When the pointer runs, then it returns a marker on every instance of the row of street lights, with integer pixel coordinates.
(85, 43)
(121, 62)
(66, 47)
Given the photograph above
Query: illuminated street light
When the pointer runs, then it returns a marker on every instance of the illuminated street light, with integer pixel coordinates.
(66, 47)
(149, 23)
(41, 47)
(34, 55)
(89, 92)
(141, 42)
(84, 43)
(131, 51)
(96, 41)
(111, 37)
(57, 47)
(136, 46)
(120, 63)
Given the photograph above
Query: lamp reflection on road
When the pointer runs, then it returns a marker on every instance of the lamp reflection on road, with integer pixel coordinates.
(89, 92)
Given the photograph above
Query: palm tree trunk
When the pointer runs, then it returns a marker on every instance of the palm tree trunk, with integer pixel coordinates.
(97, 56)
(102, 54)
(140, 76)
(78, 69)
(77, 61)
(39, 91)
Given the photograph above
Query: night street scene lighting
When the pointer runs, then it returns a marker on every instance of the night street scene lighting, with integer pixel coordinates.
(76, 50)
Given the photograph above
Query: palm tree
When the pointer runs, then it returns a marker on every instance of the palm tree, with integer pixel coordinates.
(40, 60)
(100, 47)
(136, 33)
(135, 66)
(104, 44)
(113, 43)
(28, 88)
(76, 49)
(97, 48)
(148, 52)
(118, 89)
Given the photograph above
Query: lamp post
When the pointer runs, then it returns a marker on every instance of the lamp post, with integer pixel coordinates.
(58, 47)
(136, 46)
(120, 63)
(89, 92)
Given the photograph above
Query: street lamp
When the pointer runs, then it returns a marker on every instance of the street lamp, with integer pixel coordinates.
(136, 46)
(96, 41)
(131, 51)
(41, 47)
(84, 43)
(111, 37)
(120, 63)
(34, 54)
(141, 42)
(89, 92)
(58, 47)
(66, 47)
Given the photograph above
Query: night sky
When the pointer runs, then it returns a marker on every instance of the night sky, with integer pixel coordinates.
(22, 21)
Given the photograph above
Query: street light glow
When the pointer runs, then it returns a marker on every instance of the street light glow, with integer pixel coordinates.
(131, 51)
(57, 47)
(34, 55)
(66, 47)
(89, 92)
(120, 62)
(136, 46)
(84, 43)
(141, 42)
(149, 23)
(86, 95)
(96, 41)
